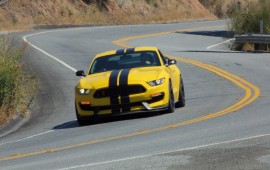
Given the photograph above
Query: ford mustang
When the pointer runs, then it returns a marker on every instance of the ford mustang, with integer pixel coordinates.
(128, 80)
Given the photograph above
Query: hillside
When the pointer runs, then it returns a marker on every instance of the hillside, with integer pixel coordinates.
(224, 8)
(23, 14)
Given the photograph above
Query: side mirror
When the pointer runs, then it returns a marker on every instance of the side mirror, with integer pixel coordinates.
(80, 73)
(171, 62)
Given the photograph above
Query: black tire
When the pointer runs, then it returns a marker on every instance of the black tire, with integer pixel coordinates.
(171, 105)
(81, 121)
(181, 100)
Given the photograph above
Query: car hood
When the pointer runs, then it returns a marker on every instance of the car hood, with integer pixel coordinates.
(145, 74)
(100, 80)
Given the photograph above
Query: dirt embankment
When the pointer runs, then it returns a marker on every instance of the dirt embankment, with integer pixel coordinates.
(22, 14)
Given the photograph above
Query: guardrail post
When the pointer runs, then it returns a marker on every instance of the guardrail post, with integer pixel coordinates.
(261, 26)
(261, 46)
(239, 5)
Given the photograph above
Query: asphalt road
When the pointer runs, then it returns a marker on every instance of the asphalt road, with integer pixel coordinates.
(225, 124)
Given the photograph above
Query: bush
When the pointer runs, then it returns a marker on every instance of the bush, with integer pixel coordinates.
(247, 20)
(16, 86)
(9, 72)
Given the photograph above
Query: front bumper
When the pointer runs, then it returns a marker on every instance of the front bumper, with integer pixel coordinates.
(142, 102)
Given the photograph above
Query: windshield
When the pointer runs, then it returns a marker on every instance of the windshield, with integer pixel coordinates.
(123, 61)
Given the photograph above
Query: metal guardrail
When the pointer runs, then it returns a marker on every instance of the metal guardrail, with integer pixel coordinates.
(3, 2)
(253, 38)
(261, 41)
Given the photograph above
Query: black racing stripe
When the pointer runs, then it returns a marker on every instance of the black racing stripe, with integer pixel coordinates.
(121, 51)
(130, 50)
(124, 77)
(114, 94)
(123, 82)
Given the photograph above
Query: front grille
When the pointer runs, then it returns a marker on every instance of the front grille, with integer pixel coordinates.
(129, 89)
(109, 107)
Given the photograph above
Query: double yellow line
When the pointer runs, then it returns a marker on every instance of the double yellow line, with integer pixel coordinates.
(251, 93)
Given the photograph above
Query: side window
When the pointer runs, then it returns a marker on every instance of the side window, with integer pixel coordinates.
(162, 57)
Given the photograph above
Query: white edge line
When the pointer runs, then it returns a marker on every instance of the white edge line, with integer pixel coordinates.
(29, 137)
(44, 52)
(223, 42)
(61, 30)
(155, 154)
(15, 128)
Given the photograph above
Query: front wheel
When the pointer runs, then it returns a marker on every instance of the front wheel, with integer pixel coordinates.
(181, 100)
(171, 105)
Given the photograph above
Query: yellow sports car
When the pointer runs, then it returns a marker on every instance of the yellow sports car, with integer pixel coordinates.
(128, 81)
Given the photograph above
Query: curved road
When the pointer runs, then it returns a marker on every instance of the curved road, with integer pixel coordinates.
(225, 124)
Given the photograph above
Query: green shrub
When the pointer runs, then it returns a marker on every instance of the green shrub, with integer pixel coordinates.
(17, 88)
(9, 72)
(247, 20)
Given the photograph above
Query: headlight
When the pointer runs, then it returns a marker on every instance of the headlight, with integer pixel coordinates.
(156, 82)
(83, 91)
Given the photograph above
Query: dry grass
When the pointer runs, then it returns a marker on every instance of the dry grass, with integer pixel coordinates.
(20, 14)
(223, 8)
(159, 12)
(17, 87)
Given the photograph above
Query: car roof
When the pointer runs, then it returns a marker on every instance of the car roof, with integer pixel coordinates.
(137, 49)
